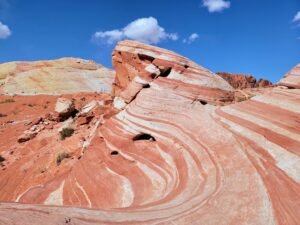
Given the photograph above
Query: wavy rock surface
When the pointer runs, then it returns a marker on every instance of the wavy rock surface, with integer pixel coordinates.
(61, 76)
(168, 158)
(137, 65)
(292, 78)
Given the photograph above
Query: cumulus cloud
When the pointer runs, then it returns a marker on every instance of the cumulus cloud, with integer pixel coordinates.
(109, 37)
(191, 38)
(4, 31)
(297, 17)
(216, 5)
(145, 30)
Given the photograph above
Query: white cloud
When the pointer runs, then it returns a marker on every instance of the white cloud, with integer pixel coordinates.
(297, 17)
(191, 38)
(109, 37)
(216, 5)
(4, 31)
(145, 30)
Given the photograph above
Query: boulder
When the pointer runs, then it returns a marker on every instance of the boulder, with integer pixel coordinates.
(64, 108)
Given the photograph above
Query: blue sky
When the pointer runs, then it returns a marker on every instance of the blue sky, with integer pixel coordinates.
(259, 37)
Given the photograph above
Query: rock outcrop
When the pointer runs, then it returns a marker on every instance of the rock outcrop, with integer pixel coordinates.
(54, 77)
(292, 78)
(241, 81)
(176, 152)
(138, 66)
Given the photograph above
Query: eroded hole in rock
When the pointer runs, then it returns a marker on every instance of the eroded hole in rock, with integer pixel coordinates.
(114, 153)
(203, 102)
(143, 136)
(290, 87)
(143, 57)
(165, 72)
(74, 113)
(2, 159)
(186, 66)
(146, 86)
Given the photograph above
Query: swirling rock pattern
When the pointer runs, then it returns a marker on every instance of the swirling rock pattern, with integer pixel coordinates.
(169, 157)
(54, 77)
(138, 64)
(292, 78)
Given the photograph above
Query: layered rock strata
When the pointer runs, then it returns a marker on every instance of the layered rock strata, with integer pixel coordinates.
(172, 154)
(292, 78)
(138, 65)
(54, 77)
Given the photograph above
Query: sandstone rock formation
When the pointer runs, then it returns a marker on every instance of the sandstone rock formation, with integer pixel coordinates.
(240, 81)
(292, 78)
(138, 65)
(53, 77)
(178, 150)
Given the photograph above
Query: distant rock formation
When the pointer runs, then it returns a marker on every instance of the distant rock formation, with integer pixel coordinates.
(172, 146)
(54, 77)
(240, 81)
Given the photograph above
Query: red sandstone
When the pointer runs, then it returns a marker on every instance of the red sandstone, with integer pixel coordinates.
(174, 147)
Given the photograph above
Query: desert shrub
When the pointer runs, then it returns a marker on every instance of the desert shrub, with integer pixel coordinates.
(66, 132)
(241, 99)
(9, 100)
(2, 115)
(16, 111)
(61, 156)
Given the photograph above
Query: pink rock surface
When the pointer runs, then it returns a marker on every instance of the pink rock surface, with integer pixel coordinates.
(54, 77)
(138, 65)
(292, 78)
(167, 157)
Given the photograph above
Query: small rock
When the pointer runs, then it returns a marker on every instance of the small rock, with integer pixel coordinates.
(26, 137)
(33, 128)
(37, 121)
(27, 123)
(86, 119)
(88, 107)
